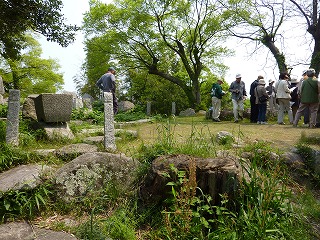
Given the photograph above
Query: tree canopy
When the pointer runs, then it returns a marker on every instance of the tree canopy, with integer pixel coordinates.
(42, 16)
(175, 40)
(32, 73)
(19, 16)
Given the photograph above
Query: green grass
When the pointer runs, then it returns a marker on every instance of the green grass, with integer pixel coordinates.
(268, 205)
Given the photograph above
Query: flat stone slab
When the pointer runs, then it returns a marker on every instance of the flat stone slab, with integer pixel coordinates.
(23, 231)
(93, 140)
(22, 177)
(45, 152)
(79, 148)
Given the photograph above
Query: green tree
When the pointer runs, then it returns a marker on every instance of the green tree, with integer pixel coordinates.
(40, 16)
(174, 40)
(144, 87)
(34, 74)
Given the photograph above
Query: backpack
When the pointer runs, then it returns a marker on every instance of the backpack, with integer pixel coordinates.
(213, 90)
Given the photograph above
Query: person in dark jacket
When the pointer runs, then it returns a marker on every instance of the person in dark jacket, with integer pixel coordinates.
(254, 107)
(310, 90)
(262, 97)
(107, 83)
(273, 106)
(216, 94)
(294, 101)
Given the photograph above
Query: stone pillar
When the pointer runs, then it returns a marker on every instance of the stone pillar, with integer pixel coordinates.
(173, 108)
(109, 138)
(148, 108)
(12, 132)
(1, 91)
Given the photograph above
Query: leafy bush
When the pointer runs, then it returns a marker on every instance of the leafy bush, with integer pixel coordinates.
(24, 204)
(131, 115)
(2, 131)
(10, 157)
(85, 114)
(3, 110)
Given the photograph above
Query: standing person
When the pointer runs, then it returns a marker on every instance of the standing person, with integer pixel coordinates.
(310, 90)
(107, 83)
(238, 90)
(306, 112)
(216, 94)
(254, 107)
(261, 100)
(272, 97)
(283, 97)
(294, 101)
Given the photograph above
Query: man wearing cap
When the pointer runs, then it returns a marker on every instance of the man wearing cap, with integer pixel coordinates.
(310, 91)
(254, 107)
(107, 83)
(272, 97)
(216, 94)
(238, 95)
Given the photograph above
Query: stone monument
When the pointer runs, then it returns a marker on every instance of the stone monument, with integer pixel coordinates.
(1, 91)
(109, 138)
(12, 131)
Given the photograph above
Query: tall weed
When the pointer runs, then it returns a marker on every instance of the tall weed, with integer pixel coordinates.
(24, 204)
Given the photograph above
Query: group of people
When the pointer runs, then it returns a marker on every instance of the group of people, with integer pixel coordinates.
(297, 98)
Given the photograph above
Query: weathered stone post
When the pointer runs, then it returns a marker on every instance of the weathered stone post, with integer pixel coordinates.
(109, 138)
(1, 91)
(148, 108)
(173, 108)
(12, 132)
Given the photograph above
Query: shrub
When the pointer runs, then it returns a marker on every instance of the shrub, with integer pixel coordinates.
(3, 110)
(24, 204)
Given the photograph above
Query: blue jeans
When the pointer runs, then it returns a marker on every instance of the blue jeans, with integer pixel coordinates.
(262, 112)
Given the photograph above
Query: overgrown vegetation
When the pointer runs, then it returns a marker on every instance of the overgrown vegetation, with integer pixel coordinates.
(266, 207)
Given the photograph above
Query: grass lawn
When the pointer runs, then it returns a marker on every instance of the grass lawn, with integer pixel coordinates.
(280, 136)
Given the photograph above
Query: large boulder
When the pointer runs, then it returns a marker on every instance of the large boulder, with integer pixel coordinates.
(92, 171)
(187, 113)
(23, 177)
(124, 106)
(214, 176)
(28, 108)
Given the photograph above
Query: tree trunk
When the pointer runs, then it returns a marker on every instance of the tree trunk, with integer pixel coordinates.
(315, 60)
(192, 92)
(280, 58)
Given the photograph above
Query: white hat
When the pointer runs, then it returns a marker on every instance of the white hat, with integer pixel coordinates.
(294, 80)
(238, 75)
(262, 82)
(271, 81)
(304, 72)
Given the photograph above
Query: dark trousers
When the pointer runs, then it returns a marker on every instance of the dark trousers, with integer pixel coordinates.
(306, 115)
(115, 104)
(254, 110)
(262, 112)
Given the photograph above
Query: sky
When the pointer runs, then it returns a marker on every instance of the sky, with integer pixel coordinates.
(243, 62)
